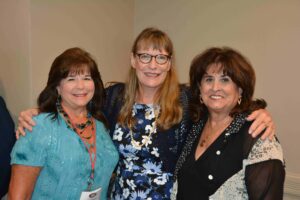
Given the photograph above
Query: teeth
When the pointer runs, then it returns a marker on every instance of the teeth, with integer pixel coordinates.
(215, 97)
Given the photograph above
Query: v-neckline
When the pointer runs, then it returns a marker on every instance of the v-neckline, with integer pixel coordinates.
(209, 148)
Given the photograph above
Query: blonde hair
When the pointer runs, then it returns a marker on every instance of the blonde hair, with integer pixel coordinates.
(167, 96)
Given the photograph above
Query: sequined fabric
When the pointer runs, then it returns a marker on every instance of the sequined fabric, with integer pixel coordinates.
(235, 188)
(64, 160)
(234, 166)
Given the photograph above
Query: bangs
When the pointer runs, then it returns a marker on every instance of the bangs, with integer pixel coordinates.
(77, 69)
(223, 64)
(227, 69)
(218, 68)
(156, 43)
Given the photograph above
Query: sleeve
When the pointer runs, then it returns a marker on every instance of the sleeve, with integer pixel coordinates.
(113, 104)
(264, 177)
(31, 150)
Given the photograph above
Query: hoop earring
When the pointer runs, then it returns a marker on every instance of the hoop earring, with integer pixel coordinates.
(240, 100)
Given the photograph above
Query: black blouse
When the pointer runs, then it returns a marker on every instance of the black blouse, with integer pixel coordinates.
(201, 178)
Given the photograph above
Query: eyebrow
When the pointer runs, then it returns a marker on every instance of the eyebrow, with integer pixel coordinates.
(206, 74)
(76, 74)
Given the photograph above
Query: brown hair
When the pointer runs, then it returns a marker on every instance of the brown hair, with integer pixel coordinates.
(167, 96)
(73, 60)
(233, 64)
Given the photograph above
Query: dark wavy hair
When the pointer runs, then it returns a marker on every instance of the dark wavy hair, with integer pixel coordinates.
(73, 60)
(234, 65)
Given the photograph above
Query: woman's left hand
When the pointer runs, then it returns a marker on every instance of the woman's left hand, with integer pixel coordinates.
(262, 122)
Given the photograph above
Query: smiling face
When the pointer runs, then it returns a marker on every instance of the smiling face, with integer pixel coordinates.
(150, 75)
(76, 90)
(219, 93)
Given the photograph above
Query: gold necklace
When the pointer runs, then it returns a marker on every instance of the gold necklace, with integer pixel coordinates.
(209, 136)
(202, 143)
(146, 139)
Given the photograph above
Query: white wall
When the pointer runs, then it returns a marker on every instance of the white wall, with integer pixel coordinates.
(267, 32)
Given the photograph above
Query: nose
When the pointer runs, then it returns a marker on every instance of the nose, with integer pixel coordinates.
(80, 84)
(153, 64)
(216, 86)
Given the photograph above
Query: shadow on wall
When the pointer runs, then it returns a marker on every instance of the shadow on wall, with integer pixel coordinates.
(3, 95)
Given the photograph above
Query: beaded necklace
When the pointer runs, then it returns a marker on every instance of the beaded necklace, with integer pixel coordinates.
(78, 128)
(90, 145)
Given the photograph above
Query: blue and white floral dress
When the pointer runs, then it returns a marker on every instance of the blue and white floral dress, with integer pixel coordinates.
(140, 173)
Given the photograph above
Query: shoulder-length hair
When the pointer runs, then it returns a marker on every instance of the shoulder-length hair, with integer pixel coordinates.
(234, 65)
(167, 96)
(73, 60)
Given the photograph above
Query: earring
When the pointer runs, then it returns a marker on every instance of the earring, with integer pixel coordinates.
(239, 100)
(58, 100)
(90, 105)
(201, 100)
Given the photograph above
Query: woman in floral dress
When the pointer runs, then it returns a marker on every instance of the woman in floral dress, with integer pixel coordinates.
(149, 120)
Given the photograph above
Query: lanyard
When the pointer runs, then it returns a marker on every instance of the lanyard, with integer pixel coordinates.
(92, 151)
(90, 148)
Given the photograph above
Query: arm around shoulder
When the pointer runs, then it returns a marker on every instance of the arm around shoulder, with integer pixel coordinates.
(32, 150)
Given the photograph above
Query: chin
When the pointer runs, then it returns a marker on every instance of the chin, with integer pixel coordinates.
(152, 85)
(81, 104)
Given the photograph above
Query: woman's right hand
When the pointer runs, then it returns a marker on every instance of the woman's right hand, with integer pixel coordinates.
(25, 121)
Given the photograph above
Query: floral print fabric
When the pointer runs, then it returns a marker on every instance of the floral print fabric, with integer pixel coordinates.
(140, 173)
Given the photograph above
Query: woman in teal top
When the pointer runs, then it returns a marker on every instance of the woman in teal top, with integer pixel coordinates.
(76, 157)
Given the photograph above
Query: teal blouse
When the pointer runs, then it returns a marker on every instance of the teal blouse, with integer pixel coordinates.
(64, 159)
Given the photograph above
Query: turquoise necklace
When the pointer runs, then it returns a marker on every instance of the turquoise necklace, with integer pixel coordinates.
(78, 128)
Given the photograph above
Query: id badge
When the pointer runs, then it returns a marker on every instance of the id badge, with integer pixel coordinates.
(91, 195)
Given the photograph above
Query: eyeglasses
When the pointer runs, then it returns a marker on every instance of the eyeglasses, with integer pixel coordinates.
(159, 59)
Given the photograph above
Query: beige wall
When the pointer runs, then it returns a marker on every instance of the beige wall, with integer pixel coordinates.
(267, 32)
(102, 27)
(15, 54)
(34, 32)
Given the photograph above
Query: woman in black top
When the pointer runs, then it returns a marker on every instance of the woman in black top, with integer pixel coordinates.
(220, 160)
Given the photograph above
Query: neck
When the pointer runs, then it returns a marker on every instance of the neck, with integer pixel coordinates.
(219, 121)
(75, 114)
(146, 95)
